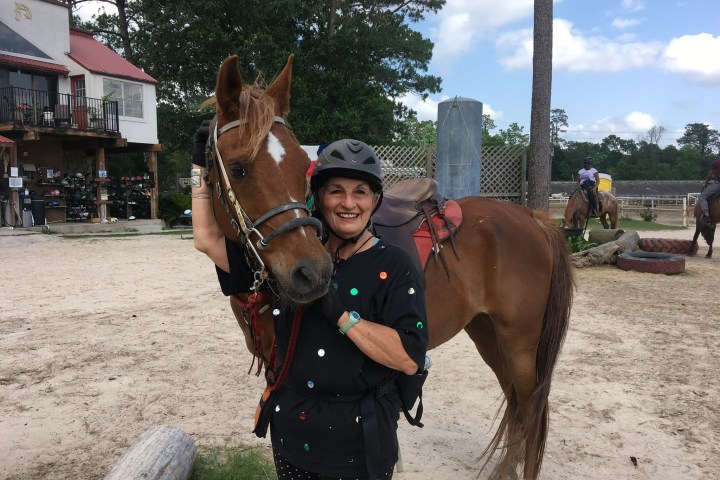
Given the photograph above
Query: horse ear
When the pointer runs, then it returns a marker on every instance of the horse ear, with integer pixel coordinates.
(229, 87)
(279, 89)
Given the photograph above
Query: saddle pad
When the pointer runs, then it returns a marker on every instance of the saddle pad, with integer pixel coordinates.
(423, 238)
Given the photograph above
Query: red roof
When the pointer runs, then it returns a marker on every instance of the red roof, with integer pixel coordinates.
(6, 141)
(33, 64)
(98, 58)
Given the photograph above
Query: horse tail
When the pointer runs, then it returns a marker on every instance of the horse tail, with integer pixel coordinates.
(552, 336)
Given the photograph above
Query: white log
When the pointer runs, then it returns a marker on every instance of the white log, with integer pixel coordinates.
(160, 453)
(607, 252)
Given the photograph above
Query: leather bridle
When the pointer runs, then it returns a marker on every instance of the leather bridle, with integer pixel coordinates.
(242, 224)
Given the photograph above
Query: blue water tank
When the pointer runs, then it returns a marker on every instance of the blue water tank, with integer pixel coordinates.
(459, 147)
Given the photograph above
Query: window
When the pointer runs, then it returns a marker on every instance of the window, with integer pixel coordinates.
(128, 95)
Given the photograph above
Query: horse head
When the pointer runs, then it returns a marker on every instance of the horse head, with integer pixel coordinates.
(257, 171)
(575, 209)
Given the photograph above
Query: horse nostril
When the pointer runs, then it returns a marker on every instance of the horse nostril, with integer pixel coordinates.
(305, 278)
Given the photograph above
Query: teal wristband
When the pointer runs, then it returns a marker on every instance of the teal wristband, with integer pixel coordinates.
(353, 318)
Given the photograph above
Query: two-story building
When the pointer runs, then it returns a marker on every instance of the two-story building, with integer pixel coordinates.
(68, 104)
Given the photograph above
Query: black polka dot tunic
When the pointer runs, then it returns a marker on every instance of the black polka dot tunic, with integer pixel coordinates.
(336, 414)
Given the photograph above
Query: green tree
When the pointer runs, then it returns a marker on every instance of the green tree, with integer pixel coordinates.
(419, 133)
(689, 164)
(514, 135)
(558, 125)
(353, 59)
(701, 137)
(489, 139)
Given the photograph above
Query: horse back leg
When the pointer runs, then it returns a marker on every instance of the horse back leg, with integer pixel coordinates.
(710, 239)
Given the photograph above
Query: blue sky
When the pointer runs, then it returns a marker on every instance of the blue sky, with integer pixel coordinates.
(619, 66)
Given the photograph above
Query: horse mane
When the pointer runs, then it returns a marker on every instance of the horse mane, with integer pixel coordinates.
(257, 115)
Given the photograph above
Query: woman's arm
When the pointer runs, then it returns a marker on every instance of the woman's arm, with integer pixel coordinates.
(207, 236)
(380, 343)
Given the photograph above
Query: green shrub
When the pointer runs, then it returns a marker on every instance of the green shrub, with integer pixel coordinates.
(579, 244)
(172, 205)
(648, 215)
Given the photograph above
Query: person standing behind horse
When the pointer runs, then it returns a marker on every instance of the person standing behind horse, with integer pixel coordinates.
(336, 411)
(589, 179)
(709, 188)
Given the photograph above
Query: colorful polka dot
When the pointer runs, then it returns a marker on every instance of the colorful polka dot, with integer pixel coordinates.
(311, 384)
(383, 275)
(411, 291)
(353, 291)
(306, 447)
(419, 325)
(276, 312)
(321, 353)
(277, 408)
(303, 416)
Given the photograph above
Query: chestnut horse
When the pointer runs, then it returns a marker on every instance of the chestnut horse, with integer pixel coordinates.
(510, 287)
(578, 210)
(706, 228)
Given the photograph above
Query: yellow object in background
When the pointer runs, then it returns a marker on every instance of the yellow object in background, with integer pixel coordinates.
(605, 182)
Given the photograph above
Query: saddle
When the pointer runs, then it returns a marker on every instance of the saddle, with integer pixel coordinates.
(418, 219)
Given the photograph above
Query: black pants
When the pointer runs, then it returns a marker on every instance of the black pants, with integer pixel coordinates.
(287, 471)
(589, 187)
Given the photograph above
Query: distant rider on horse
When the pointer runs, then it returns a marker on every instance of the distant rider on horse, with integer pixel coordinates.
(709, 188)
(588, 179)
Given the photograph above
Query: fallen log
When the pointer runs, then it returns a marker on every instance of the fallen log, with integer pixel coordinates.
(601, 235)
(607, 252)
(160, 453)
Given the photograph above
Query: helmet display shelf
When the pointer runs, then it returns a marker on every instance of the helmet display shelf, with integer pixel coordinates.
(49, 198)
(79, 200)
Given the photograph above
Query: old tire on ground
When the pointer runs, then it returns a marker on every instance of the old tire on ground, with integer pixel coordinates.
(667, 245)
(651, 262)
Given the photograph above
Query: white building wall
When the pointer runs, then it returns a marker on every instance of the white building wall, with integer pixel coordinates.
(45, 25)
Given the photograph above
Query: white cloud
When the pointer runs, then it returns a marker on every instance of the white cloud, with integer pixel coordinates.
(625, 22)
(427, 109)
(698, 56)
(631, 126)
(575, 52)
(632, 5)
(86, 10)
(463, 22)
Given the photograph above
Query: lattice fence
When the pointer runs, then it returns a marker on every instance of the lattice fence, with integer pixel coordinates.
(503, 168)
(401, 163)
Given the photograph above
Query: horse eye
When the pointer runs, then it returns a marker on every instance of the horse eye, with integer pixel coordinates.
(238, 171)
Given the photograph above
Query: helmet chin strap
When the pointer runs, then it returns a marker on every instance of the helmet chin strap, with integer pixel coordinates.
(345, 241)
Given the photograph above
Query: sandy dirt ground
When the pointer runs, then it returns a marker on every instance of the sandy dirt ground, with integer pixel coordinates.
(101, 338)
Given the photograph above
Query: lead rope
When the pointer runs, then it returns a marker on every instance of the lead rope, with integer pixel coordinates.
(257, 331)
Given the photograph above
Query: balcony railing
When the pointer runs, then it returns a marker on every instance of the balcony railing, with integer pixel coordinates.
(23, 106)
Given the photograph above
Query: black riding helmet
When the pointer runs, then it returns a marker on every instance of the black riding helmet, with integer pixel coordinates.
(346, 158)
(589, 160)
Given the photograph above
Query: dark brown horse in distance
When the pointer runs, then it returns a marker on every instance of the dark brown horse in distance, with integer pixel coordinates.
(707, 229)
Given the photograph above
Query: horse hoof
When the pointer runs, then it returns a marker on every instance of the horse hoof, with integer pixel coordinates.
(651, 262)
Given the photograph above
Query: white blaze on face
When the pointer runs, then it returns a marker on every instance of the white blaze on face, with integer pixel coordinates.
(277, 152)
(275, 148)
